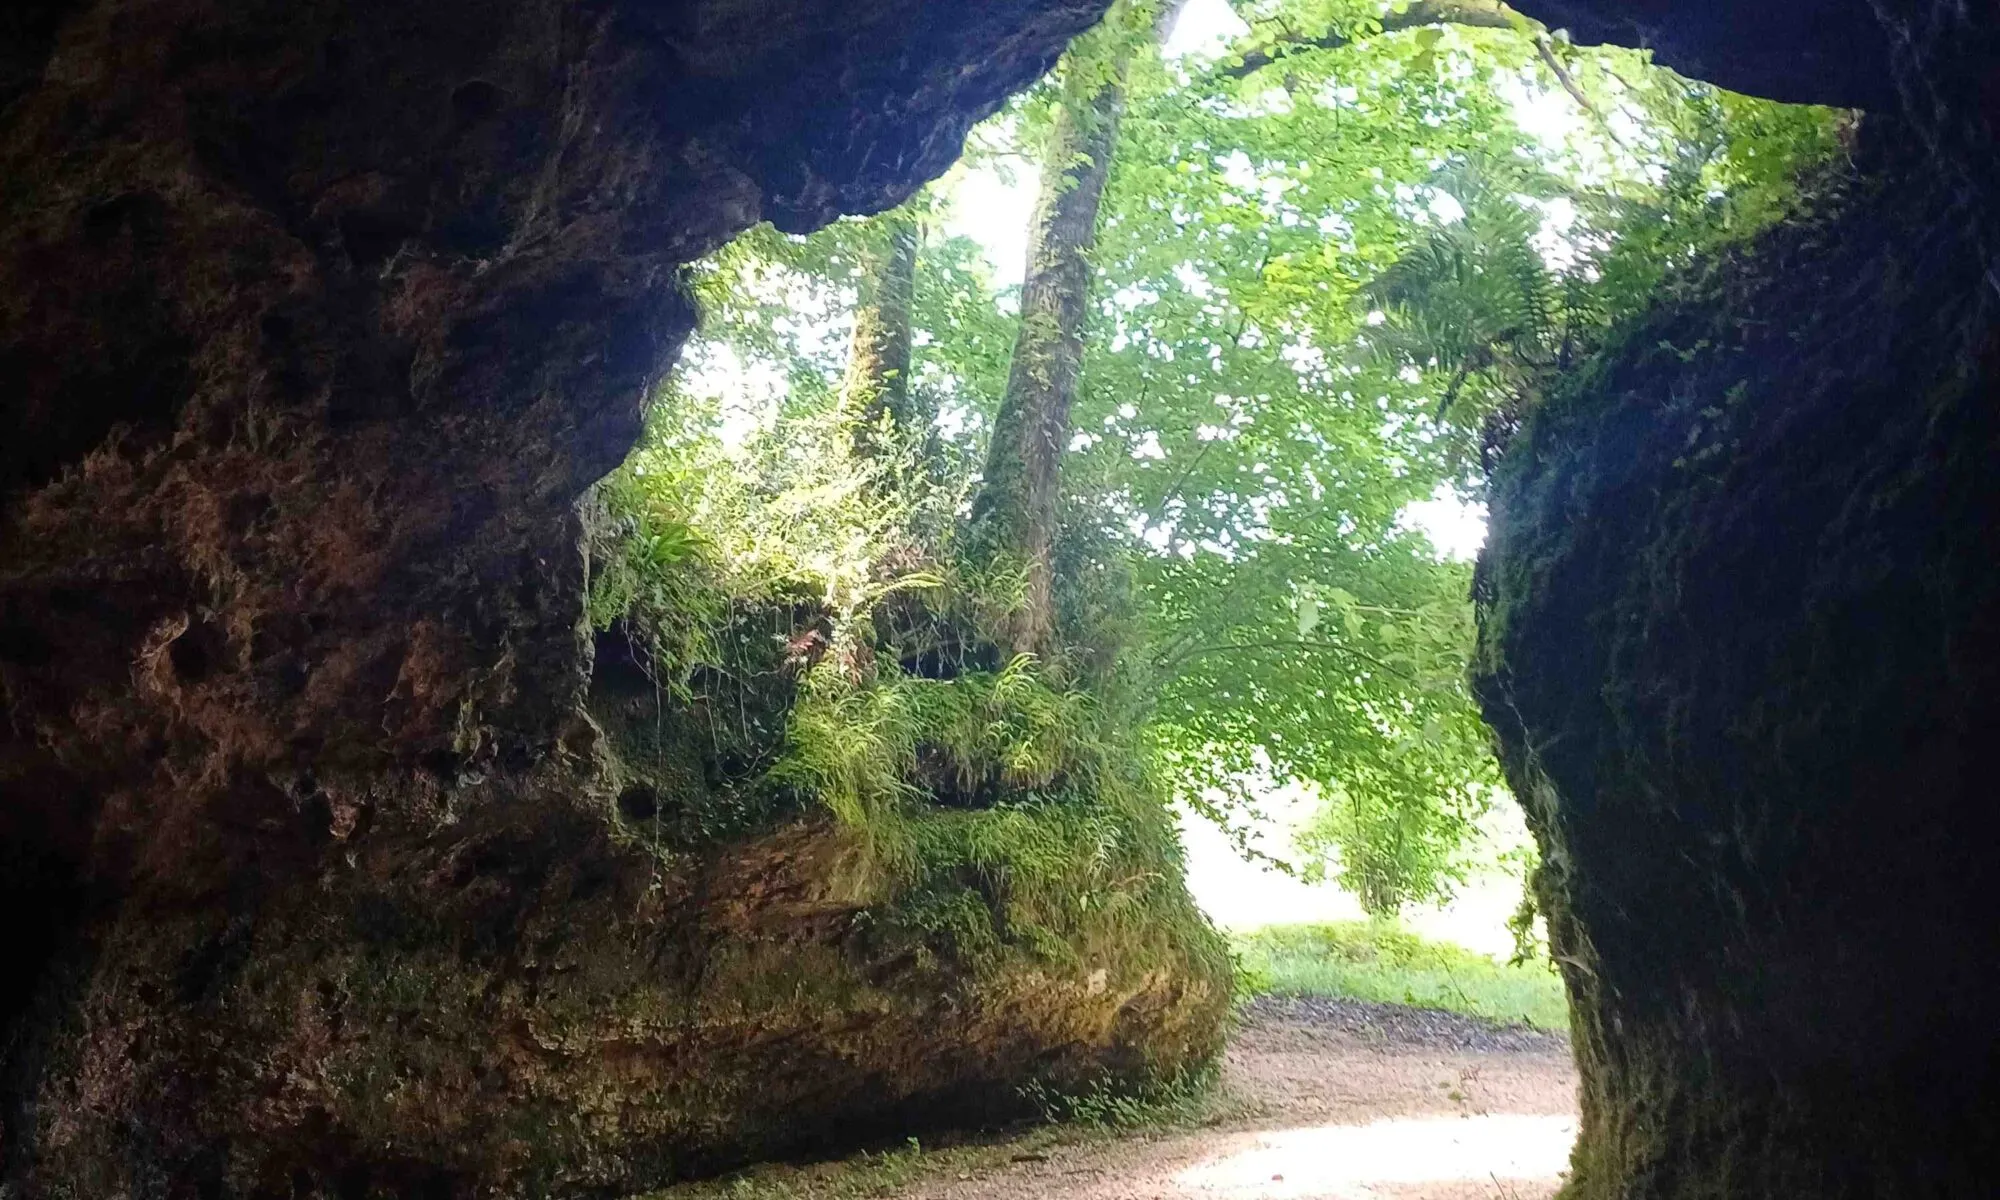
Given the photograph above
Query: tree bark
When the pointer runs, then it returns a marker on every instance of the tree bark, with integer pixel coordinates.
(1014, 514)
(875, 397)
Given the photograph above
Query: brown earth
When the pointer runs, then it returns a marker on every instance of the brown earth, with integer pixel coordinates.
(1337, 1100)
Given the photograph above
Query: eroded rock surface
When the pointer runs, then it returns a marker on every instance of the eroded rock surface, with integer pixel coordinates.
(316, 318)
(1806, 52)
(1741, 644)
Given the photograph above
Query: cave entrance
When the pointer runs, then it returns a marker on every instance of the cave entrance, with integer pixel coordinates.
(1003, 583)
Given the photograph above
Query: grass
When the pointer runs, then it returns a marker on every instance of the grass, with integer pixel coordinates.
(1378, 961)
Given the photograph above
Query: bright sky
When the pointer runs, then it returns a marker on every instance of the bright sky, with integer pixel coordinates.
(1205, 27)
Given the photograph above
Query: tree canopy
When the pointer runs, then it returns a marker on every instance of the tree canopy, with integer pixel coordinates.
(1274, 299)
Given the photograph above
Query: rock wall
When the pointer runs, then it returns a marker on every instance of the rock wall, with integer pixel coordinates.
(1740, 641)
(1804, 52)
(316, 318)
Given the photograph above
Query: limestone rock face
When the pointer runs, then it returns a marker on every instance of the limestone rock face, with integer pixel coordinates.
(316, 318)
(1805, 52)
(1740, 641)
(1928, 60)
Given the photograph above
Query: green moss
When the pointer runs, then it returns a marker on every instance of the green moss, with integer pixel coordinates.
(1736, 568)
(896, 882)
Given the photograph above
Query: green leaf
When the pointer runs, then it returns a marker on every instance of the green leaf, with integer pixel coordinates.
(1308, 615)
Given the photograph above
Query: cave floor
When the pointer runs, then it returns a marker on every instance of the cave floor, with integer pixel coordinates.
(1322, 1099)
(1338, 1100)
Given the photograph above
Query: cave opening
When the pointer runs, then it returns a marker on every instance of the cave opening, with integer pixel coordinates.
(1259, 557)
(593, 592)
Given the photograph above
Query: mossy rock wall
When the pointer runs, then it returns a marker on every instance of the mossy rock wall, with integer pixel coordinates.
(634, 963)
(531, 1004)
(317, 317)
(1740, 639)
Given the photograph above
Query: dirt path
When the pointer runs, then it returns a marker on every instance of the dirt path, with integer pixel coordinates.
(1337, 1100)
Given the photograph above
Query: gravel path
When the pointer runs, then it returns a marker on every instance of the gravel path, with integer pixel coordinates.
(1338, 1100)
(1395, 1024)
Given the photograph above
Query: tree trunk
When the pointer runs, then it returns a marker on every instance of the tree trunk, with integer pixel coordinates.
(875, 398)
(1014, 514)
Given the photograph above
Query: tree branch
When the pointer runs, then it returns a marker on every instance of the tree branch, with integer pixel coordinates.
(1451, 390)
(1160, 510)
(1476, 14)
(1549, 60)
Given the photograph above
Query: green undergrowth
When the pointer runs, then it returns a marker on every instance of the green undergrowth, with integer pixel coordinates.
(1380, 962)
(869, 1174)
(1000, 811)
(873, 1173)
(793, 652)
(807, 623)
(1187, 1098)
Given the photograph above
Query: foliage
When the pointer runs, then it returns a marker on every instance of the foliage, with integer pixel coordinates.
(1383, 963)
(858, 745)
(1489, 304)
(1390, 854)
(1325, 288)
(652, 568)
(1001, 807)
(1304, 266)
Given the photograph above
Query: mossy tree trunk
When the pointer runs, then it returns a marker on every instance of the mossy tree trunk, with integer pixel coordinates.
(875, 398)
(1014, 514)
